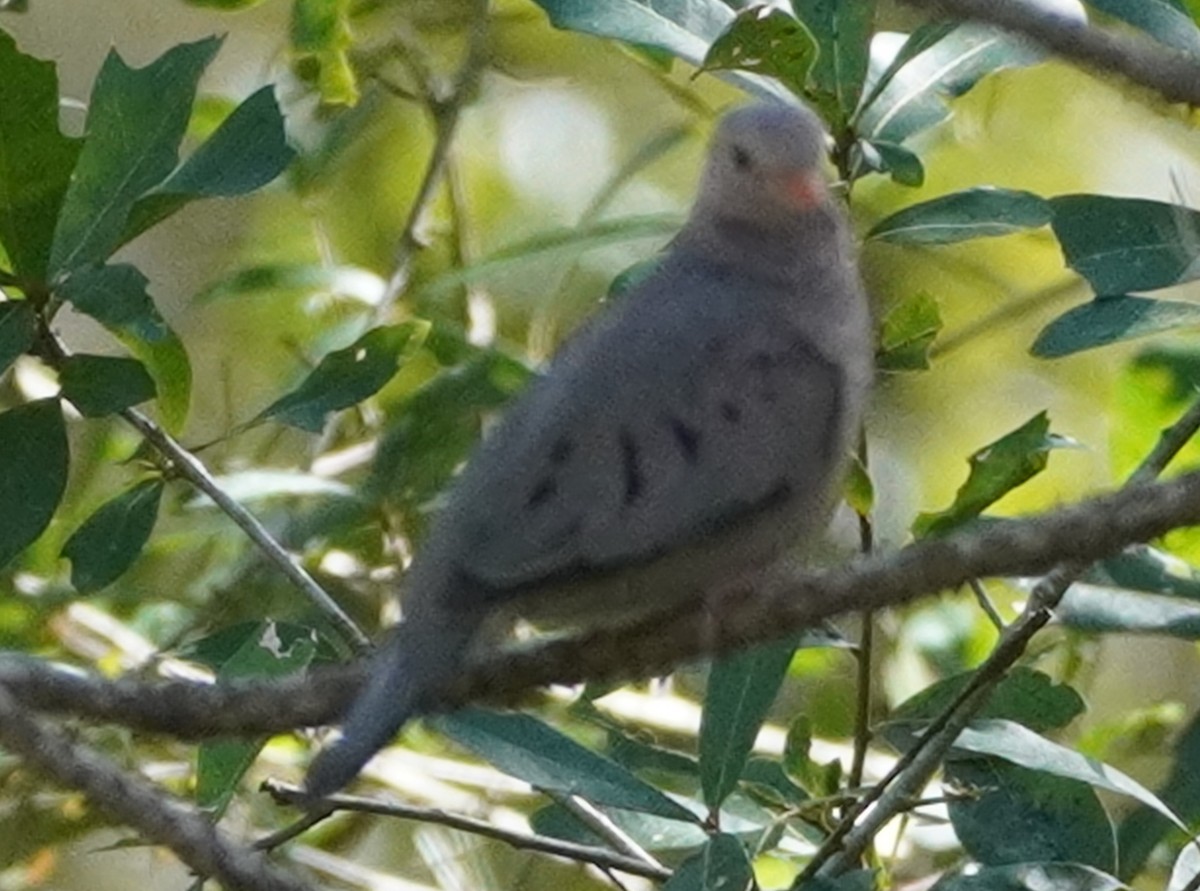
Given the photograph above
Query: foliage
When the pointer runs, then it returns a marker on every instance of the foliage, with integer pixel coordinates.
(387, 357)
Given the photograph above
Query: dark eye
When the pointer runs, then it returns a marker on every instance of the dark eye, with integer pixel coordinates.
(741, 158)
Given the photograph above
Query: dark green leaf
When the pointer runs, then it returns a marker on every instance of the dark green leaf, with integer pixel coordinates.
(949, 64)
(530, 750)
(918, 41)
(33, 472)
(996, 469)
(1019, 745)
(259, 650)
(136, 120)
(1026, 696)
(843, 35)
(721, 865)
(765, 41)
(903, 166)
(112, 538)
(1161, 19)
(633, 275)
(1127, 244)
(1102, 610)
(1112, 320)
(1032, 877)
(346, 377)
(103, 385)
(769, 780)
(982, 212)
(18, 324)
(116, 297)
(321, 36)
(1144, 568)
(740, 690)
(907, 332)
(652, 833)
(36, 160)
(1023, 816)
(818, 780)
(246, 152)
(683, 28)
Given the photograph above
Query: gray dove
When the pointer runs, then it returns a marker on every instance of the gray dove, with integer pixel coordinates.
(685, 437)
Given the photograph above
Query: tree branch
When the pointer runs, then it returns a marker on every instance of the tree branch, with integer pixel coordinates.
(1173, 74)
(1084, 532)
(133, 801)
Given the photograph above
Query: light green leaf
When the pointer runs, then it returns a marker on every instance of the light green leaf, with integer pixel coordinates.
(33, 472)
(907, 333)
(321, 38)
(347, 376)
(996, 469)
(740, 690)
(108, 542)
(1112, 320)
(136, 120)
(246, 152)
(767, 41)
(858, 489)
(530, 750)
(104, 385)
(982, 212)
(116, 297)
(1127, 244)
(36, 160)
(18, 324)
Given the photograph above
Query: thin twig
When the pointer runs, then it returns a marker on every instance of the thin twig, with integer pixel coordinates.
(1083, 533)
(601, 857)
(1173, 74)
(910, 774)
(866, 646)
(985, 603)
(129, 799)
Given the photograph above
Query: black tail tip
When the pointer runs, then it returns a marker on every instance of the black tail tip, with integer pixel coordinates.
(330, 771)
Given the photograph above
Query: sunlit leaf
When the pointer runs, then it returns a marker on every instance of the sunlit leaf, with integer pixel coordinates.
(33, 472)
(112, 538)
(907, 332)
(321, 37)
(859, 490)
(768, 41)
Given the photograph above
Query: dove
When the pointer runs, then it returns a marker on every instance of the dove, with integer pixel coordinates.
(690, 433)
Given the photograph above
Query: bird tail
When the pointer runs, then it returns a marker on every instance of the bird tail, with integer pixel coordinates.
(418, 660)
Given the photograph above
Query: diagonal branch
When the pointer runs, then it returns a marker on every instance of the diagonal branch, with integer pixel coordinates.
(1084, 532)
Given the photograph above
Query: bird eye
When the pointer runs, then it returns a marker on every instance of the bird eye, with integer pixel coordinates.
(741, 158)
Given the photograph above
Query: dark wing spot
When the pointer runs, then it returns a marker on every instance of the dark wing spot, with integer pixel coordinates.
(630, 466)
(561, 451)
(730, 412)
(687, 438)
(546, 489)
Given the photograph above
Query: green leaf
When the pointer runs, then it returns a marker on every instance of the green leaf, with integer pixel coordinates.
(136, 120)
(1185, 869)
(1020, 745)
(1100, 610)
(104, 385)
(1145, 568)
(1112, 320)
(1026, 696)
(347, 376)
(1032, 877)
(116, 297)
(530, 750)
(304, 279)
(36, 160)
(652, 833)
(321, 37)
(112, 538)
(907, 332)
(818, 780)
(903, 166)
(246, 152)
(858, 489)
(996, 469)
(983, 212)
(843, 35)
(683, 28)
(1023, 815)
(767, 41)
(1161, 19)
(260, 650)
(33, 472)
(721, 865)
(740, 690)
(226, 5)
(918, 41)
(18, 324)
(945, 64)
(1127, 244)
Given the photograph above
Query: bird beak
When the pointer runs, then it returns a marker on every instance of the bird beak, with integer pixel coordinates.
(804, 189)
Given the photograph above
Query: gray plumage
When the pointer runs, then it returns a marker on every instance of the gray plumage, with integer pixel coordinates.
(687, 435)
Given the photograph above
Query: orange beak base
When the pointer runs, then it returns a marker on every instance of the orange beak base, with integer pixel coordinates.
(805, 189)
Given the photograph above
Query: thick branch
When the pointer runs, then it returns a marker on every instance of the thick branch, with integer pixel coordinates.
(1172, 74)
(1084, 532)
